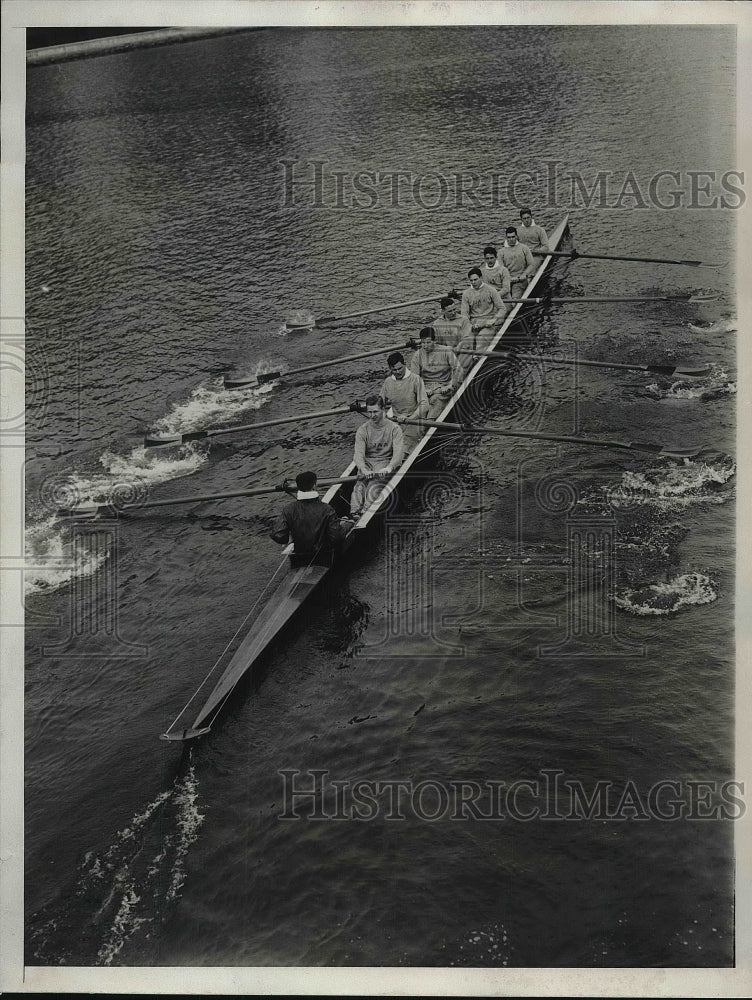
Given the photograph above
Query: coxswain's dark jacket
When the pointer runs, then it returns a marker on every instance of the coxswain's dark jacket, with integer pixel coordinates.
(312, 525)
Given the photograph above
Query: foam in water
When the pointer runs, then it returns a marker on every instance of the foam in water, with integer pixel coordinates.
(668, 598)
(725, 324)
(676, 486)
(715, 384)
(211, 403)
(54, 557)
(128, 880)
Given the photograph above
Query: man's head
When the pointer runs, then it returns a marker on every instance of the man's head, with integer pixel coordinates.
(475, 276)
(511, 234)
(527, 216)
(427, 338)
(306, 481)
(375, 409)
(396, 364)
(448, 307)
(489, 253)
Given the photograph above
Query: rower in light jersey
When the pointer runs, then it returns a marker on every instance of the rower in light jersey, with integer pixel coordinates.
(405, 393)
(437, 365)
(531, 233)
(378, 453)
(482, 305)
(453, 330)
(518, 260)
(494, 273)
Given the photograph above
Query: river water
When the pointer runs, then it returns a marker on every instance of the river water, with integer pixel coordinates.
(562, 615)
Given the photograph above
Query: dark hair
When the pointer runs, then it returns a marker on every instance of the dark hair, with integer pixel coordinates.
(394, 358)
(525, 211)
(475, 270)
(375, 401)
(426, 332)
(489, 249)
(511, 229)
(446, 302)
(306, 481)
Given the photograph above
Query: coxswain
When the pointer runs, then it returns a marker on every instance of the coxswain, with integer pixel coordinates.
(405, 393)
(311, 525)
(531, 233)
(483, 307)
(518, 260)
(378, 452)
(494, 273)
(439, 368)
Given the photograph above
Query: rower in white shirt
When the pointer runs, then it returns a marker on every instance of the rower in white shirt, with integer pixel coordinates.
(518, 260)
(531, 233)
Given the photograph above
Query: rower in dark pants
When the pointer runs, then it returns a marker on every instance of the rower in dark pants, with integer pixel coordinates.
(311, 525)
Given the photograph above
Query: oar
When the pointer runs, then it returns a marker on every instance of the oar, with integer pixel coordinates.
(243, 382)
(653, 449)
(568, 300)
(609, 256)
(160, 440)
(309, 323)
(667, 370)
(90, 510)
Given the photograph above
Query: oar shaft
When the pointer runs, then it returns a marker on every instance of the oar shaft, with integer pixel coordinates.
(654, 449)
(607, 298)
(375, 309)
(553, 361)
(203, 497)
(342, 361)
(268, 423)
(574, 254)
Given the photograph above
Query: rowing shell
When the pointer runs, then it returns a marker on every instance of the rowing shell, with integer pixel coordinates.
(291, 586)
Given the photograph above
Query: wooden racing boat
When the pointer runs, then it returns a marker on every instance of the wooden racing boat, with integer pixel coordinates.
(291, 586)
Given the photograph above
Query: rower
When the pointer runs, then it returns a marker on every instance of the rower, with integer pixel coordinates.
(378, 452)
(483, 307)
(311, 524)
(454, 330)
(531, 233)
(518, 260)
(405, 393)
(494, 273)
(437, 365)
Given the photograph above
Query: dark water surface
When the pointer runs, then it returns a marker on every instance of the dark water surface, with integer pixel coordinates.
(160, 254)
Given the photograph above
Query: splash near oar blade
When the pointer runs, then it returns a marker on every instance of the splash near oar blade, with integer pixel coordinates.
(301, 319)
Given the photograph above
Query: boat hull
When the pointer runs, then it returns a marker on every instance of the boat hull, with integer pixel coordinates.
(296, 585)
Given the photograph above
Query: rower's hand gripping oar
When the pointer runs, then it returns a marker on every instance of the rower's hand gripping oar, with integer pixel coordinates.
(249, 381)
(665, 370)
(652, 449)
(308, 322)
(84, 511)
(162, 440)
(574, 254)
